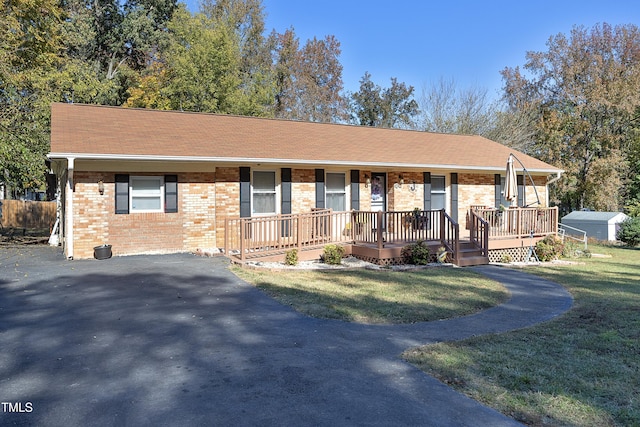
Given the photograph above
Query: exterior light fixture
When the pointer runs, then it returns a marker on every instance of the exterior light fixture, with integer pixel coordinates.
(101, 187)
(367, 181)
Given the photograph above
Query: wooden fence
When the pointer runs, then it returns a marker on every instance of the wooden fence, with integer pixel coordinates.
(27, 214)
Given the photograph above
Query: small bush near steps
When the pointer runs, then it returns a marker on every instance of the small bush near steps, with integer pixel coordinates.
(291, 257)
(416, 253)
(332, 254)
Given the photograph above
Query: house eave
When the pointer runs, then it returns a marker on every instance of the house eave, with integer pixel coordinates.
(283, 161)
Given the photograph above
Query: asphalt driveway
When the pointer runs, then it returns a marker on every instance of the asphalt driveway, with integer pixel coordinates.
(178, 340)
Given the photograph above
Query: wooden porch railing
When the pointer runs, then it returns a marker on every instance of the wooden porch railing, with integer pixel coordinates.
(261, 236)
(382, 227)
(256, 236)
(479, 232)
(272, 234)
(450, 235)
(520, 223)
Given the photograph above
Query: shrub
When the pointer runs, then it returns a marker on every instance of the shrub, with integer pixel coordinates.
(291, 257)
(333, 254)
(629, 232)
(416, 253)
(506, 259)
(549, 248)
(633, 208)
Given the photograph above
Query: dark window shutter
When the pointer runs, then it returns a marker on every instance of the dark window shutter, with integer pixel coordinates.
(122, 194)
(427, 190)
(355, 189)
(454, 196)
(320, 189)
(171, 193)
(498, 191)
(245, 192)
(521, 198)
(285, 186)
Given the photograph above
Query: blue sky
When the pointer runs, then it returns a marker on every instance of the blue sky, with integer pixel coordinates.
(420, 41)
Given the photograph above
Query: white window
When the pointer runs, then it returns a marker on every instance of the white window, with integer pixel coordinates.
(147, 194)
(335, 190)
(438, 193)
(264, 192)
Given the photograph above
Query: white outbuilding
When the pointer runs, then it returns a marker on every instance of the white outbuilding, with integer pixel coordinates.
(597, 225)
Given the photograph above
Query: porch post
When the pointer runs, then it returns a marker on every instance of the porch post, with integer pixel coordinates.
(298, 222)
(379, 225)
(69, 190)
(472, 225)
(242, 225)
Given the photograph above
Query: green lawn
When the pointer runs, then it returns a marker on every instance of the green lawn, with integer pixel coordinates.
(379, 296)
(581, 369)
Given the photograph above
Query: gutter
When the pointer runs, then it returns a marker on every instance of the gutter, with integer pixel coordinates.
(274, 161)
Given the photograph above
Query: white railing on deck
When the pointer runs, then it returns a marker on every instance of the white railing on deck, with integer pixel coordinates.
(568, 232)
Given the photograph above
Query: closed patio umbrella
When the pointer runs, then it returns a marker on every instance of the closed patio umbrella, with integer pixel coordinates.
(511, 182)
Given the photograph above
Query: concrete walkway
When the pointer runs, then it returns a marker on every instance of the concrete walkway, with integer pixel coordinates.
(177, 340)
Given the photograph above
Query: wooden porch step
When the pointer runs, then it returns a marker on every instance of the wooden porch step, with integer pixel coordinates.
(470, 255)
(466, 261)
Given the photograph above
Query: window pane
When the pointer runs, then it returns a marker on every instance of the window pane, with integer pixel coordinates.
(437, 201)
(145, 185)
(145, 203)
(437, 183)
(264, 181)
(146, 193)
(438, 192)
(336, 201)
(335, 182)
(264, 203)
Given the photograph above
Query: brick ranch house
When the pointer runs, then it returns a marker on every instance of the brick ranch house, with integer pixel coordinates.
(148, 181)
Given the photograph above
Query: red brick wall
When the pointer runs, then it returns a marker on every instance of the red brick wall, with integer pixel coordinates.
(227, 199)
(205, 200)
(96, 223)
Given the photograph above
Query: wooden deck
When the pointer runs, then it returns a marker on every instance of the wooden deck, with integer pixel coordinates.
(379, 236)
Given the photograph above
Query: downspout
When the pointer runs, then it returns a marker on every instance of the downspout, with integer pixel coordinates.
(69, 209)
(551, 181)
(555, 178)
(57, 233)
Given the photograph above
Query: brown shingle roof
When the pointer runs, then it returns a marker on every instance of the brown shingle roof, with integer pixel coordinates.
(87, 131)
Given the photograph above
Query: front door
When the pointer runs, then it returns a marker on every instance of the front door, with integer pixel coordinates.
(378, 196)
(378, 191)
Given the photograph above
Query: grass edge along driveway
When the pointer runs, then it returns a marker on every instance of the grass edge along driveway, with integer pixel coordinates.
(582, 368)
(379, 296)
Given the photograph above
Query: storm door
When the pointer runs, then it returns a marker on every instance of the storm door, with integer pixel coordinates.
(378, 194)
